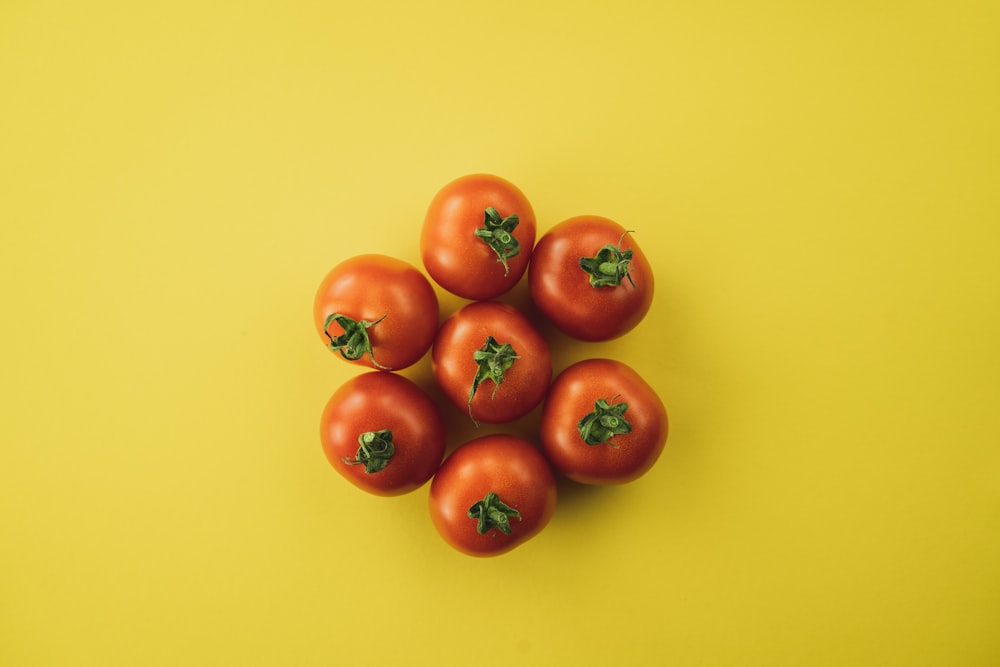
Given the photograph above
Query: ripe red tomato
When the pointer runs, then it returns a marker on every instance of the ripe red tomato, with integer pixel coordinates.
(492, 494)
(376, 311)
(602, 423)
(383, 433)
(477, 236)
(491, 362)
(590, 279)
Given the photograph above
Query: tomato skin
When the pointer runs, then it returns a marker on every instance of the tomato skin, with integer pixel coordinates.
(573, 395)
(562, 290)
(509, 466)
(366, 287)
(459, 261)
(524, 383)
(374, 401)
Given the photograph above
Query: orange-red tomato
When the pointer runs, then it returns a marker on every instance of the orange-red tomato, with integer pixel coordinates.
(602, 423)
(376, 311)
(590, 278)
(383, 433)
(491, 362)
(492, 494)
(477, 236)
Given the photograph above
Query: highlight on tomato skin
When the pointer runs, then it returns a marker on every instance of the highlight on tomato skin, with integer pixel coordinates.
(376, 311)
(602, 423)
(590, 278)
(477, 236)
(491, 362)
(492, 494)
(383, 433)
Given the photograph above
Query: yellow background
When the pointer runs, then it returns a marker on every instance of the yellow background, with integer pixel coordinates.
(815, 183)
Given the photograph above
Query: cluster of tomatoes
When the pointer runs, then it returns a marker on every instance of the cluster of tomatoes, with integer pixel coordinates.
(601, 423)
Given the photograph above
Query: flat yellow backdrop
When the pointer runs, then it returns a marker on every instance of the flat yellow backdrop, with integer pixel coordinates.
(816, 185)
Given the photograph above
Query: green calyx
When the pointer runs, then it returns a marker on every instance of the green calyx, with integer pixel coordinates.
(492, 362)
(498, 234)
(609, 265)
(374, 451)
(491, 512)
(354, 342)
(604, 423)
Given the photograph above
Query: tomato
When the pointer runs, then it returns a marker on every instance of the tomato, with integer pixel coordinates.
(383, 433)
(477, 236)
(602, 423)
(589, 277)
(490, 361)
(376, 311)
(492, 494)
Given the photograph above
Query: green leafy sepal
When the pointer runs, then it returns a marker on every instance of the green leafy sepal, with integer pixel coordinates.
(374, 451)
(354, 343)
(498, 234)
(604, 423)
(609, 266)
(491, 512)
(493, 359)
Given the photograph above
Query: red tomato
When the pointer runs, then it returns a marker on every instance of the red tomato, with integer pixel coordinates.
(492, 494)
(376, 311)
(590, 279)
(491, 362)
(383, 433)
(477, 236)
(602, 423)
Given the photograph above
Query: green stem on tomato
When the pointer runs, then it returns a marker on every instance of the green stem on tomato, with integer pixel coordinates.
(354, 342)
(609, 265)
(493, 359)
(375, 449)
(491, 512)
(604, 423)
(498, 234)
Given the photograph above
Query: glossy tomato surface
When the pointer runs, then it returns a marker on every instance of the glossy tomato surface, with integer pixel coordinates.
(391, 297)
(562, 290)
(457, 257)
(373, 403)
(520, 481)
(483, 328)
(627, 438)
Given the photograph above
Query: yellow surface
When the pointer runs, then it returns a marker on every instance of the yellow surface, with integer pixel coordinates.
(816, 184)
